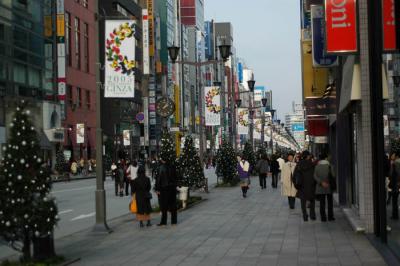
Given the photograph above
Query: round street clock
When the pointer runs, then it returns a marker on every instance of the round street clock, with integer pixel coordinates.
(165, 107)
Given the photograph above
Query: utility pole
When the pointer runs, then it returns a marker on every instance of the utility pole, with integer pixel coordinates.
(101, 221)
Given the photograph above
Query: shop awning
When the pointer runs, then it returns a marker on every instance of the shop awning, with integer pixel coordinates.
(351, 83)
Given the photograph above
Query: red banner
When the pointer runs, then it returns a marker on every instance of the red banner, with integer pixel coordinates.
(389, 26)
(341, 26)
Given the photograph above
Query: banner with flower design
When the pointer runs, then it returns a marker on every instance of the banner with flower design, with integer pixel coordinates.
(257, 128)
(243, 121)
(212, 96)
(120, 59)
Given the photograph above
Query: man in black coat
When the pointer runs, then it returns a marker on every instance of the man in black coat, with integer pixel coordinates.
(305, 184)
(165, 188)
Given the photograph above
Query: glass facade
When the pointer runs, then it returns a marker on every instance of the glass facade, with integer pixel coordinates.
(26, 61)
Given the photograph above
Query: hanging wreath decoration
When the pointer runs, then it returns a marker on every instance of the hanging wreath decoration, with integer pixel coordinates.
(212, 107)
(120, 62)
(242, 121)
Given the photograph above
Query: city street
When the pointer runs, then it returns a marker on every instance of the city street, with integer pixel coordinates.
(227, 230)
(76, 205)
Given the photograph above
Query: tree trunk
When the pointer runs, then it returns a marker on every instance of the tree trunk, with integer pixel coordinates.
(43, 248)
(26, 249)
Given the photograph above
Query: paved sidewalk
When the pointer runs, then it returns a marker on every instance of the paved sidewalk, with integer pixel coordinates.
(227, 230)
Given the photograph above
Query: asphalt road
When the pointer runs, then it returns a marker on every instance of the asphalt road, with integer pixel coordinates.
(76, 205)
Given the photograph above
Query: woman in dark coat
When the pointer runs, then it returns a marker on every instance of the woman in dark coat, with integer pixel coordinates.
(274, 168)
(141, 188)
(305, 184)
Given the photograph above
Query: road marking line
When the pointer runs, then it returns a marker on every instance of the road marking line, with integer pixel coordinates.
(83, 216)
(65, 211)
(80, 188)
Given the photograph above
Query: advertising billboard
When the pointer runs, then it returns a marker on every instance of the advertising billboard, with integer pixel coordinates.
(243, 121)
(120, 59)
(212, 101)
(341, 26)
(320, 58)
(389, 25)
(80, 133)
(145, 29)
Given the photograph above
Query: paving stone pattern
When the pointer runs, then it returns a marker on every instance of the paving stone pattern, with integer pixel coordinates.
(227, 230)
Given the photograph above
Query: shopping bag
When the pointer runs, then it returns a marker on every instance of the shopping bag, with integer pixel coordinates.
(133, 205)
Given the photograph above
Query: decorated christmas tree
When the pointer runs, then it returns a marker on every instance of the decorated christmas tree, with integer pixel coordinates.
(189, 166)
(395, 146)
(227, 163)
(27, 212)
(61, 164)
(249, 155)
(167, 151)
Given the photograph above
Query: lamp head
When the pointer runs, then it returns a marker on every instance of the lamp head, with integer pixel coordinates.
(251, 84)
(225, 51)
(264, 102)
(173, 52)
(238, 102)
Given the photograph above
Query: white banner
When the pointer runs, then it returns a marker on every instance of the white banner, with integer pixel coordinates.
(120, 59)
(257, 128)
(127, 137)
(146, 55)
(212, 100)
(243, 121)
(80, 133)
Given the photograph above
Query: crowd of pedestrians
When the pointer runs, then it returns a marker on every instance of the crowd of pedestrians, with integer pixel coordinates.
(299, 175)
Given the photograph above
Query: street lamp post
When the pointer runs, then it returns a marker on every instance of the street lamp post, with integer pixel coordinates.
(264, 102)
(251, 84)
(173, 52)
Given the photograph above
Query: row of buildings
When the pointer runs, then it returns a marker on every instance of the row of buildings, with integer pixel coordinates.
(52, 54)
(350, 94)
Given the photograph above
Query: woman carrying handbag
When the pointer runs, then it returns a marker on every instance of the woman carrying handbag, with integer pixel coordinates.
(141, 189)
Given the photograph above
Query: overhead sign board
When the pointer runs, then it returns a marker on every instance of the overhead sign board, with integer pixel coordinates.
(341, 26)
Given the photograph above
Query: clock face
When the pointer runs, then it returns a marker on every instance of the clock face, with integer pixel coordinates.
(165, 107)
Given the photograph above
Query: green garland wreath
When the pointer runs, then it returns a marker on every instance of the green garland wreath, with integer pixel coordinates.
(118, 61)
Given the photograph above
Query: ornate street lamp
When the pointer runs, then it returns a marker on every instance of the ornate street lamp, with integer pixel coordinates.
(264, 102)
(173, 52)
(238, 102)
(225, 51)
(251, 84)
(396, 80)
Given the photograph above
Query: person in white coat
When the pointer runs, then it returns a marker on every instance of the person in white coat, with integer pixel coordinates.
(288, 189)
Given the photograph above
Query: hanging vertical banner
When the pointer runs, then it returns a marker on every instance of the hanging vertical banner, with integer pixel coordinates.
(212, 105)
(320, 58)
(341, 26)
(61, 64)
(257, 128)
(151, 26)
(80, 133)
(243, 121)
(120, 59)
(127, 137)
(389, 25)
(145, 29)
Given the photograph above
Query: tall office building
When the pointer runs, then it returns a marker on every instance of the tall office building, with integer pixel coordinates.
(28, 68)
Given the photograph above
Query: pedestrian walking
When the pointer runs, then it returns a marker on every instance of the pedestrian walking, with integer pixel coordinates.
(288, 188)
(165, 188)
(132, 173)
(323, 176)
(74, 167)
(120, 179)
(141, 187)
(262, 167)
(305, 184)
(274, 168)
(394, 185)
(243, 169)
(114, 174)
(281, 162)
